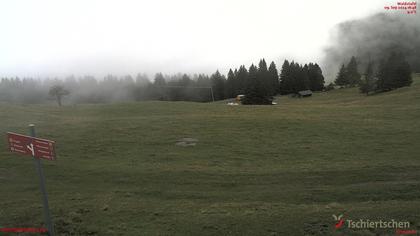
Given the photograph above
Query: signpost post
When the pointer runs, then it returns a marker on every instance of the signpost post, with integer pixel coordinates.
(37, 148)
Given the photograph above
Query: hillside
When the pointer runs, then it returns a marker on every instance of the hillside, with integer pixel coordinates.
(255, 170)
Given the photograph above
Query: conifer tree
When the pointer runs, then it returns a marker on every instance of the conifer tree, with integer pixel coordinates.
(230, 85)
(242, 79)
(255, 92)
(236, 84)
(341, 78)
(303, 78)
(368, 82)
(402, 71)
(285, 85)
(218, 85)
(352, 73)
(274, 78)
(298, 78)
(316, 79)
(393, 73)
(263, 77)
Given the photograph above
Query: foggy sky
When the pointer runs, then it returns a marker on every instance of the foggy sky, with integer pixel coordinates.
(97, 37)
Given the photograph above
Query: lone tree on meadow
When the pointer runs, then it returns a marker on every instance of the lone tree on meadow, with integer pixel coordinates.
(58, 92)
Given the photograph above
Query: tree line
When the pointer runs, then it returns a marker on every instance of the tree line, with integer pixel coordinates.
(259, 84)
(387, 74)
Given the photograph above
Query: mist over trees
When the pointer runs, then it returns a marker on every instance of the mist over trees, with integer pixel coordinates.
(259, 83)
(372, 39)
(393, 72)
(88, 89)
(390, 73)
(58, 92)
(368, 83)
(349, 75)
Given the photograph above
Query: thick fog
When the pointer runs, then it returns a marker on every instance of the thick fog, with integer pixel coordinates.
(374, 38)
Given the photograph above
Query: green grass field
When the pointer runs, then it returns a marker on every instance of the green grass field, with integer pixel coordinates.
(256, 170)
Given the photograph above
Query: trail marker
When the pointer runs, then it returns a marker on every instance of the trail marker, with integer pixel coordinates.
(27, 145)
(37, 148)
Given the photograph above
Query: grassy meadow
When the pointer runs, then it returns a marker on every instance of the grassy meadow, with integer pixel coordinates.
(255, 170)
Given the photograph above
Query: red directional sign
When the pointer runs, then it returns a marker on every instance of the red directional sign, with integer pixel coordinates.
(36, 147)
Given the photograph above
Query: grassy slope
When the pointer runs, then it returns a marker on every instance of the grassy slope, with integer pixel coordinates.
(269, 170)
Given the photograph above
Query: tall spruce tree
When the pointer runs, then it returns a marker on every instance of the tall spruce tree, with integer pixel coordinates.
(368, 83)
(264, 77)
(383, 76)
(274, 78)
(159, 88)
(353, 75)
(292, 81)
(230, 85)
(316, 79)
(298, 77)
(402, 71)
(303, 78)
(242, 79)
(394, 73)
(218, 85)
(285, 78)
(159, 80)
(204, 82)
(341, 78)
(236, 84)
(255, 92)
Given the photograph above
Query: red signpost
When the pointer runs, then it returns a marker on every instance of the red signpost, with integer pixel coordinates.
(36, 147)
